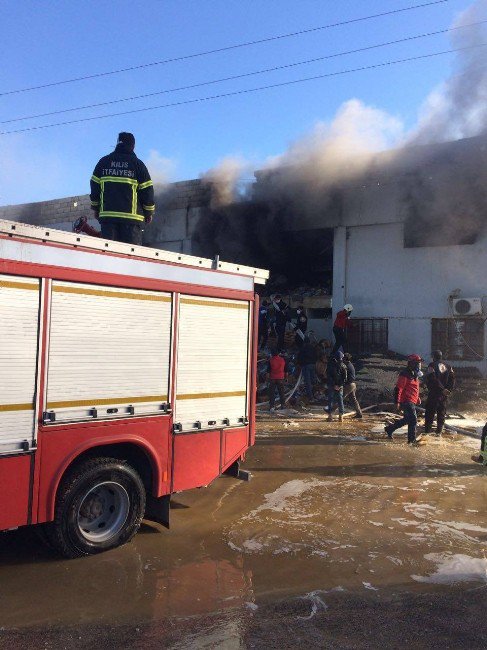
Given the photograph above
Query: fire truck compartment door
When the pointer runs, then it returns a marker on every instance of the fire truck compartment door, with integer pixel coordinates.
(108, 353)
(19, 326)
(212, 363)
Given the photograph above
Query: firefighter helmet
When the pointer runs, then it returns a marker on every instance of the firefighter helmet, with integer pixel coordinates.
(415, 357)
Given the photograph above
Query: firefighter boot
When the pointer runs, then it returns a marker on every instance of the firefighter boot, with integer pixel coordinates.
(340, 418)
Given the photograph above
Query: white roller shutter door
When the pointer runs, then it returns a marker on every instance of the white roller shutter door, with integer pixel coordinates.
(108, 353)
(19, 322)
(212, 363)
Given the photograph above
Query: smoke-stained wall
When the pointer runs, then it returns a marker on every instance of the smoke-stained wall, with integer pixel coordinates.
(438, 191)
(408, 286)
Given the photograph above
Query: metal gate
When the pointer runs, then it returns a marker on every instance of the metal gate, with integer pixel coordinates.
(367, 335)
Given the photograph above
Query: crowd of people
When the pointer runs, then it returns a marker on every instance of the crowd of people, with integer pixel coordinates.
(322, 366)
(328, 367)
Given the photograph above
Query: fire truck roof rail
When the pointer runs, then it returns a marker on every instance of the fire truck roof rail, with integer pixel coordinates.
(86, 242)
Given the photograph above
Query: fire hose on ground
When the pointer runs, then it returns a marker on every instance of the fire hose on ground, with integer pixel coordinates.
(448, 427)
(289, 395)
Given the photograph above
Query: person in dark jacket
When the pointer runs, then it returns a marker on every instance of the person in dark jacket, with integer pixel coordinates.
(350, 388)
(277, 373)
(320, 366)
(406, 395)
(122, 193)
(340, 326)
(281, 315)
(336, 373)
(263, 323)
(440, 381)
(307, 358)
(301, 326)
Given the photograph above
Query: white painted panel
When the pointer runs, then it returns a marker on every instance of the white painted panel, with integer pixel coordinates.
(211, 383)
(15, 229)
(75, 259)
(109, 348)
(19, 318)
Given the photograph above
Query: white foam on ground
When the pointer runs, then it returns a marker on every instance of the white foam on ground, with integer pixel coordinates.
(367, 585)
(424, 512)
(317, 603)
(394, 560)
(461, 525)
(278, 501)
(419, 510)
(455, 568)
(405, 522)
(461, 423)
(252, 545)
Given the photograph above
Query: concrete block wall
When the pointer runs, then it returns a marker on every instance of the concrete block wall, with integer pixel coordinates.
(179, 207)
(57, 213)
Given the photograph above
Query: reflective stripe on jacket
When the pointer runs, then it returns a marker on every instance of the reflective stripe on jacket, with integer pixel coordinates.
(121, 186)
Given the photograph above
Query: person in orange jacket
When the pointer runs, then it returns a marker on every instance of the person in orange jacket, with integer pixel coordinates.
(406, 395)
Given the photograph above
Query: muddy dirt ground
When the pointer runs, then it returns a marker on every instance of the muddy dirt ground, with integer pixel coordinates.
(341, 540)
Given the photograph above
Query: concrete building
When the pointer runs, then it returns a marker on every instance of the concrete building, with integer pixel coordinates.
(404, 241)
(408, 298)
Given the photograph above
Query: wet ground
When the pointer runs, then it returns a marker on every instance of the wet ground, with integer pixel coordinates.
(341, 540)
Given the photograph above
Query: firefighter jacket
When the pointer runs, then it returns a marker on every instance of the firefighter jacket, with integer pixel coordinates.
(121, 186)
(439, 377)
(407, 388)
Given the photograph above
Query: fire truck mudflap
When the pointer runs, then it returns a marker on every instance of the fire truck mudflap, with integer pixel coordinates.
(126, 374)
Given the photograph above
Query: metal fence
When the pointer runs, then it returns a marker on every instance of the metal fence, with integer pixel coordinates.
(367, 335)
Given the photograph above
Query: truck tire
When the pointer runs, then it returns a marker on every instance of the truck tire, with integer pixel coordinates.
(100, 504)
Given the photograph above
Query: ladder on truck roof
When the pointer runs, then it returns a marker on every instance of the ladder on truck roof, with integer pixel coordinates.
(23, 231)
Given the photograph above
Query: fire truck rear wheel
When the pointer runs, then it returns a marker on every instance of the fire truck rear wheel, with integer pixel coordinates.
(100, 505)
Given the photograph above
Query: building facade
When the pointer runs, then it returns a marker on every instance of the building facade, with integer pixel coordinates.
(405, 243)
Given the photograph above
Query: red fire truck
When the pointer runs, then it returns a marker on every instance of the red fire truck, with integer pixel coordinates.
(126, 374)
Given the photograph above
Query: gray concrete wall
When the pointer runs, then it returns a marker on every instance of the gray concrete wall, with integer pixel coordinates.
(179, 207)
(58, 213)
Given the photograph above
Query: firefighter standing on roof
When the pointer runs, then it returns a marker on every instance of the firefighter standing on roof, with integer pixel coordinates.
(122, 193)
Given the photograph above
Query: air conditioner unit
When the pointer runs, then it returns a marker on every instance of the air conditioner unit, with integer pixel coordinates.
(467, 306)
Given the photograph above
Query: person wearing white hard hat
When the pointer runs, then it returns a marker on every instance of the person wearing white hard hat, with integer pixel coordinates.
(340, 325)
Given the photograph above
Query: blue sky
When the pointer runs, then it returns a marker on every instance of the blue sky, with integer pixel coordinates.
(48, 41)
